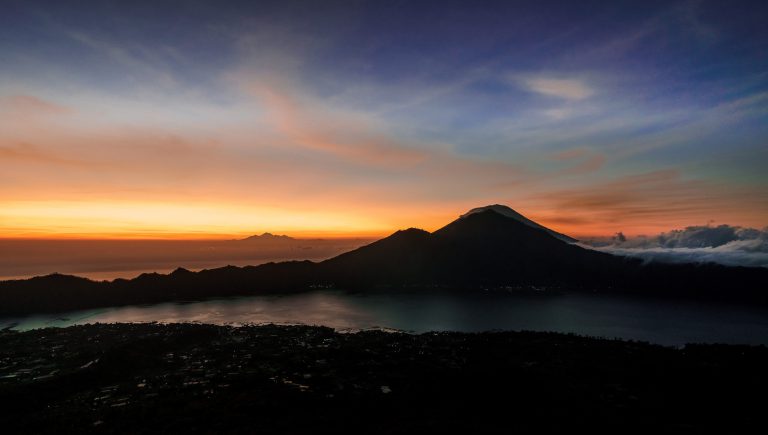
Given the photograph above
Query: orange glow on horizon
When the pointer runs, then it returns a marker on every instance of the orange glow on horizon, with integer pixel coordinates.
(211, 221)
(288, 163)
(131, 220)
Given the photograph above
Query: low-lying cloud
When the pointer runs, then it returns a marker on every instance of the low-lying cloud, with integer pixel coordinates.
(723, 244)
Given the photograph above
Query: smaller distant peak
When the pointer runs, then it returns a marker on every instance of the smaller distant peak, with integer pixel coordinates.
(409, 233)
(405, 236)
(412, 230)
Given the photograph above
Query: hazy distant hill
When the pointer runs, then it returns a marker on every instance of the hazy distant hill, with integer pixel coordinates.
(488, 248)
(268, 238)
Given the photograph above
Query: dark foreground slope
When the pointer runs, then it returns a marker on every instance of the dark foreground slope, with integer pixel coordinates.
(483, 249)
(199, 378)
(58, 293)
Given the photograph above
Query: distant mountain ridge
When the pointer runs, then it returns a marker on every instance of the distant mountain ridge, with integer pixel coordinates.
(268, 237)
(490, 247)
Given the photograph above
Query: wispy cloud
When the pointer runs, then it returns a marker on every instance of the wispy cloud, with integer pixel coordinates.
(580, 160)
(30, 106)
(30, 153)
(317, 126)
(567, 89)
(138, 64)
(651, 201)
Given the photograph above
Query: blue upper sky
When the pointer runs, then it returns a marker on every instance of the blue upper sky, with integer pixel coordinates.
(608, 112)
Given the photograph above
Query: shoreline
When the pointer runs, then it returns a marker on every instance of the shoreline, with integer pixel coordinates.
(115, 378)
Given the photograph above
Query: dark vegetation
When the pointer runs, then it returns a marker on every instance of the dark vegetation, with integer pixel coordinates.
(481, 250)
(140, 378)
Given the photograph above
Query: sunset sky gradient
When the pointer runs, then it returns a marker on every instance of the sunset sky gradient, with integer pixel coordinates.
(199, 119)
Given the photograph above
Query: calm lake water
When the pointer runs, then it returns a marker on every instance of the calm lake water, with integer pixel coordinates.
(612, 317)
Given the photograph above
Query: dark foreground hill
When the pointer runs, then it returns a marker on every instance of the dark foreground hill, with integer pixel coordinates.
(487, 248)
(149, 378)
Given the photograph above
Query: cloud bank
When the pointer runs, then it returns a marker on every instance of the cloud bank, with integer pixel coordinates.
(723, 244)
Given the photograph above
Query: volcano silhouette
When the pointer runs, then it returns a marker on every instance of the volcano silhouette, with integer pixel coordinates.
(487, 246)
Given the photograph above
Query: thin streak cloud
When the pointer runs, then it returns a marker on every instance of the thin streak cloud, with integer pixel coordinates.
(567, 89)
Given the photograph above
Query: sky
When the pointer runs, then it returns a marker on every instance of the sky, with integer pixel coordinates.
(199, 119)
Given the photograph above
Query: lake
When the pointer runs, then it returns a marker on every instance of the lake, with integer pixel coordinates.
(656, 321)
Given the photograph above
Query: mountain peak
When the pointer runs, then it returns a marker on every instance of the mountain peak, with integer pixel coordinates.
(512, 214)
(498, 208)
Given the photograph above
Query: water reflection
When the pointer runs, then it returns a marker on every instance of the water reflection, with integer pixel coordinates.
(647, 320)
